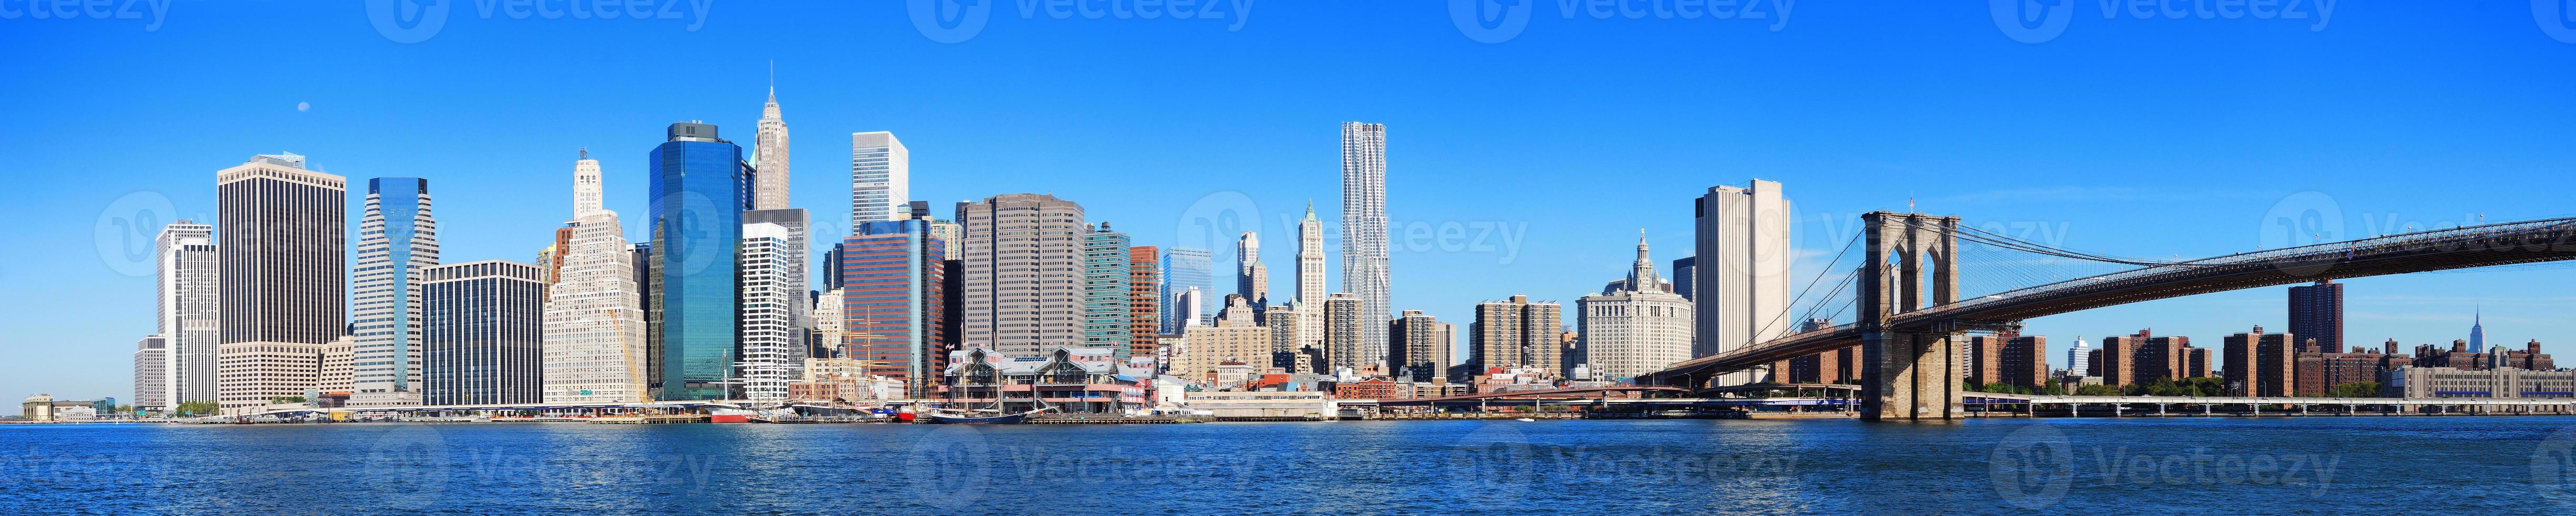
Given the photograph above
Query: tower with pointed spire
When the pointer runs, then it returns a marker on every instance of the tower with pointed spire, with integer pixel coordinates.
(1310, 293)
(2478, 331)
(1635, 325)
(769, 156)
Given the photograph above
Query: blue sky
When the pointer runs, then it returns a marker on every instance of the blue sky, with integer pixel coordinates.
(2127, 132)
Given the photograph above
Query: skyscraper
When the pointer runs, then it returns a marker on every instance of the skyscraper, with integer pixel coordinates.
(2316, 312)
(481, 333)
(1185, 269)
(397, 239)
(2260, 364)
(795, 278)
(895, 300)
(1636, 327)
(699, 191)
(771, 345)
(152, 372)
(2477, 332)
(1310, 280)
(1686, 276)
(769, 158)
(880, 177)
(1144, 300)
(1364, 241)
(189, 301)
(1742, 269)
(1417, 347)
(283, 243)
(2079, 358)
(1344, 339)
(1106, 282)
(594, 322)
(1023, 268)
(1514, 333)
(1251, 278)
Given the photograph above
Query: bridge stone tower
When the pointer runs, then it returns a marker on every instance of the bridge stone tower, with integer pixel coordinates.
(1911, 265)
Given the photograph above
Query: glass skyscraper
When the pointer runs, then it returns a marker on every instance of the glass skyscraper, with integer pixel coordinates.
(397, 239)
(1106, 273)
(894, 301)
(1184, 268)
(699, 188)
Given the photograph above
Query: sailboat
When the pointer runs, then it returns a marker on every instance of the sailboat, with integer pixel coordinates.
(987, 416)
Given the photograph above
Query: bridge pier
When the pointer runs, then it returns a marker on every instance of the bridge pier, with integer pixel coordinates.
(1909, 264)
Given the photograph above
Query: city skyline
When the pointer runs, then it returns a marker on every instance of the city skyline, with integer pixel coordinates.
(1555, 260)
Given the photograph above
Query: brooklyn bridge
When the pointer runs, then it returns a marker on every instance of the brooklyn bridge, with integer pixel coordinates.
(1910, 319)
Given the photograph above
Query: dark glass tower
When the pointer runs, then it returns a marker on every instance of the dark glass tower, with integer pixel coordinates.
(2316, 313)
(699, 188)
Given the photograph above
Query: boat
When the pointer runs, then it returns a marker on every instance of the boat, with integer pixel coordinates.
(979, 417)
(1526, 420)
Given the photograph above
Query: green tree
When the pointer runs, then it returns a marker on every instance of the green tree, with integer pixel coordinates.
(2355, 390)
(198, 408)
(2097, 390)
(285, 399)
(2053, 388)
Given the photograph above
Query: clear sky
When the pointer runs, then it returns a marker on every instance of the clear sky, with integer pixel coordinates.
(1541, 141)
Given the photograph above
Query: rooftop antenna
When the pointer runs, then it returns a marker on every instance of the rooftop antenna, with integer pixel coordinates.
(585, 153)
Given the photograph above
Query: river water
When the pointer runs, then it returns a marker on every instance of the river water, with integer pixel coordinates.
(2485, 465)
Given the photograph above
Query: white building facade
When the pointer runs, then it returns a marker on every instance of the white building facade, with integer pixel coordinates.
(1638, 326)
(594, 320)
(880, 178)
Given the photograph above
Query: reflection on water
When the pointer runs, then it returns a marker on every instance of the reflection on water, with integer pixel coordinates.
(2516, 465)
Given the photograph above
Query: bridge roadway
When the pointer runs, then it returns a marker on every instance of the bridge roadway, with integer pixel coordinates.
(2446, 249)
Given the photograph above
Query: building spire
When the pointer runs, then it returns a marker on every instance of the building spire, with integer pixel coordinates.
(1641, 276)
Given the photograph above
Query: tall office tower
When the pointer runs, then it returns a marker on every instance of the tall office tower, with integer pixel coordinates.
(1637, 328)
(880, 177)
(1345, 341)
(1144, 300)
(1743, 293)
(799, 243)
(594, 322)
(1182, 308)
(397, 239)
(1284, 339)
(152, 372)
(1364, 241)
(283, 244)
(698, 193)
(1185, 269)
(1686, 277)
(1415, 349)
(947, 231)
(1310, 293)
(831, 324)
(2477, 332)
(769, 358)
(1023, 273)
(895, 301)
(769, 158)
(1234, 337)
(2260, 364)
(1251, 278)
(2316, 312)
(1105, 285)
(483, 333)
(189, 302)
(1514, 333)
(2079, 359)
